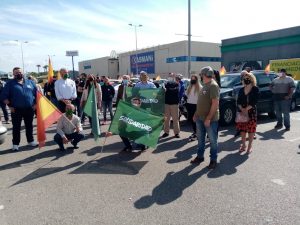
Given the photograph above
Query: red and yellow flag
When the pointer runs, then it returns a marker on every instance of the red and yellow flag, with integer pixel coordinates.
(47, 114)
(222, 71)
(50, 71)
(267, 69)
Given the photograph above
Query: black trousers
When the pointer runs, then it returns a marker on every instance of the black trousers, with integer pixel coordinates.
(75, 137)
(16, 117)
(191, 109)
(127, 143)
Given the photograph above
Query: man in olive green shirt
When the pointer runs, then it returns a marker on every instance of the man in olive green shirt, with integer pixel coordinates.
(207, 117)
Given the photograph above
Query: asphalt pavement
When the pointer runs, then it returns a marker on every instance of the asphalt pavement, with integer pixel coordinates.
(91, 185)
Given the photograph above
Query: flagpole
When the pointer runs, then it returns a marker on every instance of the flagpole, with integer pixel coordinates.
(103, 144)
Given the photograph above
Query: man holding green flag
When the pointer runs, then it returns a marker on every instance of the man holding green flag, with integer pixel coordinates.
(133, 123)
(90, 109)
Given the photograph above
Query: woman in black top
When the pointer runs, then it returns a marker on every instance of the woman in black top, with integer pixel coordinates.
(247, 100)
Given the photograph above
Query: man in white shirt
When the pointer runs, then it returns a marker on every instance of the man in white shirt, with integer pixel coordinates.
(65, 90)
(69, 129)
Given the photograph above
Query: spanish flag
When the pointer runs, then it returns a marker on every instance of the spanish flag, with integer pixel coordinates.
(267, 69)
(50, 71)
(47, 114)
(222, 71)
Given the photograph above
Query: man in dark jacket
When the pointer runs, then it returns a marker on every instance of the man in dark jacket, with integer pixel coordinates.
(171, 106)
(20, 95)
(108, 93)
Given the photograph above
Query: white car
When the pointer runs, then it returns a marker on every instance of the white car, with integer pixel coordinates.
(116, 87)
(3, 132)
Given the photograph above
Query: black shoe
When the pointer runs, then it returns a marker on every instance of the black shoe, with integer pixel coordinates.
(165, 135)
(143, 148)
(278, 126)
(74, 145)
(212, 165)
(177, 136)
(62, 149)
(197, 160)
(127, 149)
(287, 128)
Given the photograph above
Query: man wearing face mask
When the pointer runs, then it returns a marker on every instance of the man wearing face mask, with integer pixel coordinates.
(65, 90)
(20, 95)
(171, 106)
(122, 88)
(282, 89)
(69, 129)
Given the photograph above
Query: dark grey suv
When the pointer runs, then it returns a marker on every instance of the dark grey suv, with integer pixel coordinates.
(230, 86)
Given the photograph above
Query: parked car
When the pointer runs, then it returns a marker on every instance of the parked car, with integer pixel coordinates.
(3, 132)
(296, 96)
(230, 86)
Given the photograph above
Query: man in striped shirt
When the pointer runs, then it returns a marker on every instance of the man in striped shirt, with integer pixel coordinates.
(69, 129)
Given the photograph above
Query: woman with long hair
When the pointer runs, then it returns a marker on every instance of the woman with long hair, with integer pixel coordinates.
(246, 102)
(91, 80)
(192, 93)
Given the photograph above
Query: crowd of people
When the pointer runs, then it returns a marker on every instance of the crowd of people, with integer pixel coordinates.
(202, 103)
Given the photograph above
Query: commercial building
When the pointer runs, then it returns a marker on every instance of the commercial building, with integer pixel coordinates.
(157, 60)
(258, 50)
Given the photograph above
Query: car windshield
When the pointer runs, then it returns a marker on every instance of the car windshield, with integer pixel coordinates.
(229, 81)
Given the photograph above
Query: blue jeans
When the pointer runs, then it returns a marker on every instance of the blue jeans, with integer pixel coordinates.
(283, 107)
(107, 105)
(212, 132)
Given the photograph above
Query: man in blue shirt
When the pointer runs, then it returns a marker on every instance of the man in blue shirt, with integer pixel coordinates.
(144, 83)
(20, 95)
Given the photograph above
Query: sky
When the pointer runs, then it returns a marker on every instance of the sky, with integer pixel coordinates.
(96, 27)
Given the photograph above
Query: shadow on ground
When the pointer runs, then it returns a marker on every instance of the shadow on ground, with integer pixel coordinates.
(113, 164)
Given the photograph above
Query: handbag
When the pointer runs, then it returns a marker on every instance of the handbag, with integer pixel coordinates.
(241, 117)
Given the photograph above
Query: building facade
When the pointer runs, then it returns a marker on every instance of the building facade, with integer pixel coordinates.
(258, 50)
(158, 60)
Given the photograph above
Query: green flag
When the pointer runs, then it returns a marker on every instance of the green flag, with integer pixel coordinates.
(153, 99)
(136, 124)
(90, 109)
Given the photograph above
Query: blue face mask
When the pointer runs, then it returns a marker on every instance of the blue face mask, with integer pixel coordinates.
(125, 82)
(101, 83)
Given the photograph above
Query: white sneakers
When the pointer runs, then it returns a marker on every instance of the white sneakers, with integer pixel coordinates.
(15, 147)
(32, 144)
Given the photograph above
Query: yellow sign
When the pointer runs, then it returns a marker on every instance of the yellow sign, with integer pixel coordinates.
(292, 66)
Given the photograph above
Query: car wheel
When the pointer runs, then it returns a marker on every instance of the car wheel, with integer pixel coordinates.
(227, 115)
(293, 104)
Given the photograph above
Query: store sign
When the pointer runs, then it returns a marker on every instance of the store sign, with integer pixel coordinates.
(144, 61)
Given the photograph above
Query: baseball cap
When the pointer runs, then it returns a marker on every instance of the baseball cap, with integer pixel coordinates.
(207, 71)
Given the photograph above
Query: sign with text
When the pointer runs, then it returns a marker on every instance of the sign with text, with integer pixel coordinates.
(144, 61)
(72, 53)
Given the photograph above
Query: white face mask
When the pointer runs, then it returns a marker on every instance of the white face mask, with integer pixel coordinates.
(170, 79)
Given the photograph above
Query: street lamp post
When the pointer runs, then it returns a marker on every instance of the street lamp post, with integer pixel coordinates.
(189, 38)
(21, 44)
(136, 59)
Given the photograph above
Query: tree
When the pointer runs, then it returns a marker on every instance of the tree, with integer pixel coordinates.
(38, 66)
(45, 68)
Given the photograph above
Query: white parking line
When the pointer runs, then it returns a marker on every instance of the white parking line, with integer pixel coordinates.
(296, 139)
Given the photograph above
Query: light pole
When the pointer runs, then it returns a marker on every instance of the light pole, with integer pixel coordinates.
(21, 44)
(136, 59)
(189, 38)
